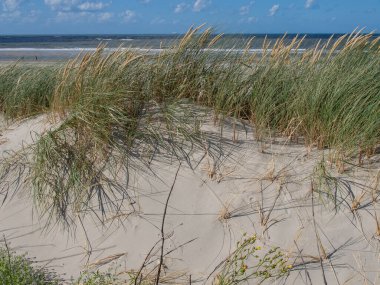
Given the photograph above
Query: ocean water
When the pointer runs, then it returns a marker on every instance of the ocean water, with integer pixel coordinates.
(62, 47)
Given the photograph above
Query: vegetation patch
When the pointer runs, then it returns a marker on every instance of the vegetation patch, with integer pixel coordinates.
(20, 270)
(116, 111)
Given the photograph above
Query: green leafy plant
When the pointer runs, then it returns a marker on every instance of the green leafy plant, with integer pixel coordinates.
(19, 270)
(96, 278)
(249, 262)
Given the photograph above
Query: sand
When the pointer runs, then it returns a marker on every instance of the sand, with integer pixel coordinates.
(262, 188)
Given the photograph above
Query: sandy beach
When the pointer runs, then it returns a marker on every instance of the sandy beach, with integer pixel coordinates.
(263, 188)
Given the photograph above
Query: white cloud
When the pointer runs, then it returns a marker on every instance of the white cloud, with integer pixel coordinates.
(11, 5)
(80, 17)
(252, 20)
(104, 17)
(53, 2)
(181, 7)
(79, 10)
(274, 10)
(128, 16)
(158, 21)
(32, 16)
(309, 3)
(10, 16)
(248, 20)
(12, 12)
(91, 6)
(200, 5)
(244, 10)
(63, 16)
(75, 5)
(62, 5)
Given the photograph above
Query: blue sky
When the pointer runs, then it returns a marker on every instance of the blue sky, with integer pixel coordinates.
(176, 16)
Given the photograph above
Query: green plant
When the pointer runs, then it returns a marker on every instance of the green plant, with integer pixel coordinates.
(19, 270)
(26, 90)
(96, 278)
(247, 263)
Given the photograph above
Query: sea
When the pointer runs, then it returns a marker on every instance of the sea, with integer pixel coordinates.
(63, 47)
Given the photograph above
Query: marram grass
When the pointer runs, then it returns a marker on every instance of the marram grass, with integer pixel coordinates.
(26, 90)
(116, 110)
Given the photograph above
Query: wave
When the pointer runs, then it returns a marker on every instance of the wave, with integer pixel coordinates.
(47, 49)
(79, 49)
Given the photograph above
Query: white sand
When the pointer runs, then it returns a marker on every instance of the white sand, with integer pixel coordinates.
(253, 182)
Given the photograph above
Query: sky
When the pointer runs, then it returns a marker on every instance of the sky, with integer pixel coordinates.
(176, 16)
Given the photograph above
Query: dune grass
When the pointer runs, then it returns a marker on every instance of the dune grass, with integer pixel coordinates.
(114, 111)
(326, 96)
(26, 90)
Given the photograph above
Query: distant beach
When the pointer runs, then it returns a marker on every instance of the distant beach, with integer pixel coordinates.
(63, 47)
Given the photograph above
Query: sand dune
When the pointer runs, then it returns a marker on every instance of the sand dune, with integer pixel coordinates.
(262, 188)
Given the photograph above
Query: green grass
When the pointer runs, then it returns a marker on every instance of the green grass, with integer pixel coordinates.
(26, 91)
(117, 111)
(19, 270)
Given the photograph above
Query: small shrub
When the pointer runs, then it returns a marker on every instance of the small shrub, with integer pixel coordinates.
(246, 263)
(19, 270)
(96, 278)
